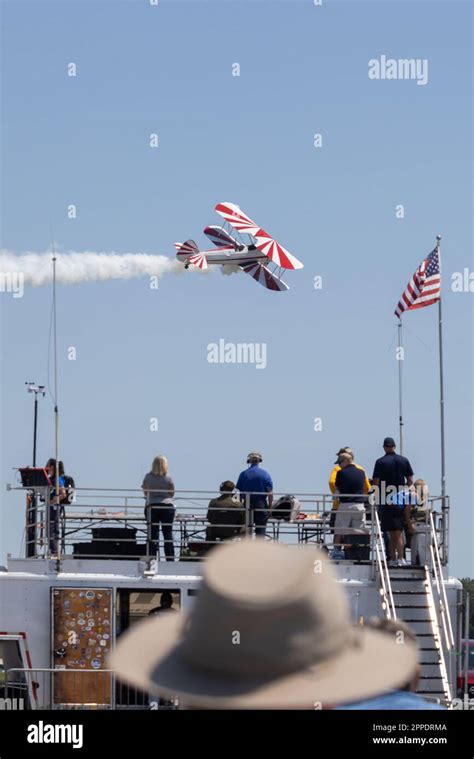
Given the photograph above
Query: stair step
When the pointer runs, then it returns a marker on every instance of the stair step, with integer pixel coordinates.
(430, 658)
(406, 578)
(400, 586)
(413, 621)
(411, 606)
(423, 635)
(440, 691)
(413, 614)
(430, 677)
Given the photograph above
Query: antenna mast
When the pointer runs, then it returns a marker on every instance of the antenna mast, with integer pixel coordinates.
(56, 411)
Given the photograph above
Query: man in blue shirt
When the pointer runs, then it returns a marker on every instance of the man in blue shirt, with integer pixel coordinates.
(258, 482)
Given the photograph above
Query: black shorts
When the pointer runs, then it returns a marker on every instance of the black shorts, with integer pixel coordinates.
(392, 519)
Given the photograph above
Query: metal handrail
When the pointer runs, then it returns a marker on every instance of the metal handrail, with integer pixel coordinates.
(126, 507)
(438, 575)
(437, 637)
(384, 574)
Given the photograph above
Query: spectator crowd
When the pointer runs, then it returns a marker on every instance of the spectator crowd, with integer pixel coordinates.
(401, 504)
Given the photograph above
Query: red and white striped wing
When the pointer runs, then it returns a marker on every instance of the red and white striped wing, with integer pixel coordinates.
(237, 218)
(266, 244)
(199, 260)
(264, 277)
(220, 237)
(276, 252)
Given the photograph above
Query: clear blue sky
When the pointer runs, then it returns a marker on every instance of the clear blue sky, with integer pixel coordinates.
(142, 353)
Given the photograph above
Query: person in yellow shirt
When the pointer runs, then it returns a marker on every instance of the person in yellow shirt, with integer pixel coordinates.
(338, 539)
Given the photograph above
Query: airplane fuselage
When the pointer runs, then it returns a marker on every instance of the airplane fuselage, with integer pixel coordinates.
(244, 254)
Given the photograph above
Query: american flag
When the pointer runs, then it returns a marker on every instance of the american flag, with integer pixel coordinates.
(424, 288)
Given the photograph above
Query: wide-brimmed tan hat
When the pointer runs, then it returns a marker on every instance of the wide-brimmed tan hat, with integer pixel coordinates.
(268, 630)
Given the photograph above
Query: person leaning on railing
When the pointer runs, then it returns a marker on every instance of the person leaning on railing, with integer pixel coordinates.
(158, 488)
(225, 514)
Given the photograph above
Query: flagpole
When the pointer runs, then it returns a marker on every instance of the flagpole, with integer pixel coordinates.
(441, 382)
(400, 357)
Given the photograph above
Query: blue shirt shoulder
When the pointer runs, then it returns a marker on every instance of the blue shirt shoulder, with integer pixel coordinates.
(398, 699)
(255, 479)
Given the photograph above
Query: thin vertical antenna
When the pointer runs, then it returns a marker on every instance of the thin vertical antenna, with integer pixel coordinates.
(56, 412)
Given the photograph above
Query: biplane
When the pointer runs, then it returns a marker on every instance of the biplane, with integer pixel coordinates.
(262, 257)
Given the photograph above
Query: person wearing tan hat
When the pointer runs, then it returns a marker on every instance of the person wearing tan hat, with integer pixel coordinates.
(270, 629)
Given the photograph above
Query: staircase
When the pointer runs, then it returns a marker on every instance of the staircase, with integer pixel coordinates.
(414, 604)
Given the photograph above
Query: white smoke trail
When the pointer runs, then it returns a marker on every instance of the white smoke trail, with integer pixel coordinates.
(228, 269)
(76, 268)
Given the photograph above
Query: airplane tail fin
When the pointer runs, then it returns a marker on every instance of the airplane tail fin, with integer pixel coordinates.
(185, 249)
(189, 253)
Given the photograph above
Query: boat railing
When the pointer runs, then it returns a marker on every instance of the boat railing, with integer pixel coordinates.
(111, 523)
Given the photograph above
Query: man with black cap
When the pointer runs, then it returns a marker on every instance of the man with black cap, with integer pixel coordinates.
(392, 472)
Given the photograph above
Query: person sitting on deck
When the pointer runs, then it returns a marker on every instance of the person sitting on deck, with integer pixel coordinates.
(225, 514)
